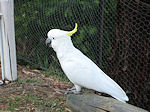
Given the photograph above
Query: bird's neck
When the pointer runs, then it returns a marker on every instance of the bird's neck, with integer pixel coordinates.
(64, 49)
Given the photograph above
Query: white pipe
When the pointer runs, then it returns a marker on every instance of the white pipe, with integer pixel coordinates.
(1, 53)
(8, 39)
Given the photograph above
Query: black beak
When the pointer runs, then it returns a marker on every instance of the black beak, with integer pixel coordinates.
(48, 42)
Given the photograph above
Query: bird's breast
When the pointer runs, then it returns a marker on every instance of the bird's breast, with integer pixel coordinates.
(71, 69)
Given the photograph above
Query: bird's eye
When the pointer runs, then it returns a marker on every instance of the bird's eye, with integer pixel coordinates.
(53, 38)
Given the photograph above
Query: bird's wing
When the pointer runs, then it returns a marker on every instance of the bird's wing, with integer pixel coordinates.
(86, 73)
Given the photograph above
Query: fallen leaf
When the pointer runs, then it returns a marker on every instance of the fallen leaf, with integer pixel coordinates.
(38, 71)
(68, 109)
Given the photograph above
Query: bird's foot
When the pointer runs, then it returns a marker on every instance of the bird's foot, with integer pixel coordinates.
(71, 90)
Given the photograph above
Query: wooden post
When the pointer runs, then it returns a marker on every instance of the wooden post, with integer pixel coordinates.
(96, 103)
(8, 46)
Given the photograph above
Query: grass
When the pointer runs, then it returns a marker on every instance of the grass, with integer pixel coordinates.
(60, 77)
(34, 91)
(31, 102)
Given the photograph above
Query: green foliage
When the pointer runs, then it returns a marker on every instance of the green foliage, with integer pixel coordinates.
(109, 27)
(34, 18)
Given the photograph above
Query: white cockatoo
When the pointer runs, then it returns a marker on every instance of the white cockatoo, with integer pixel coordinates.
(80, 70)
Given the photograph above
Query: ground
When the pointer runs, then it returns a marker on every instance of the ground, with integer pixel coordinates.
(34, 91)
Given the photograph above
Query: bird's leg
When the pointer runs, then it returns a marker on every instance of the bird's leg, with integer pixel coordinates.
(76, 89)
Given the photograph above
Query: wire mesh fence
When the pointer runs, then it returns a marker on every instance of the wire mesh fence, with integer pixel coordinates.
(129, 60)
(115, 34)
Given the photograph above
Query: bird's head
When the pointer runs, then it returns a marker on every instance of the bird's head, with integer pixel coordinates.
(57, 37)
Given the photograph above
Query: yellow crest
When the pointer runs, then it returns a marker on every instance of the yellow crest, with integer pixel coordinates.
(70, 33)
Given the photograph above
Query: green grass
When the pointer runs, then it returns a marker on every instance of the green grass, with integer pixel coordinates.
(60, 77)
(33, 102)
(26, 99)
(29, 80)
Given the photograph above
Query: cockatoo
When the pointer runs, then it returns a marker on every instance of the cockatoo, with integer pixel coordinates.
(80, 70)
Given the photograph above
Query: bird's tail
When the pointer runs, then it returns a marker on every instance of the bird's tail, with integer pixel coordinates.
(113, 89)
(122, 99)
(119, 94)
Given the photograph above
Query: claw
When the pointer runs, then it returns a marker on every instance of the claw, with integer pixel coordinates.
(71, 90)
(66, 92)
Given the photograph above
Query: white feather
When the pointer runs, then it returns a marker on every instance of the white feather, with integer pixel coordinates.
(82, 71)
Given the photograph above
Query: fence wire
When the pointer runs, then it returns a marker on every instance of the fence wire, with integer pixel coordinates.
(115, 34)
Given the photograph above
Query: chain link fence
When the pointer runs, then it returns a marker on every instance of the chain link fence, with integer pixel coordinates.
(115, 34)
(129, 60)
